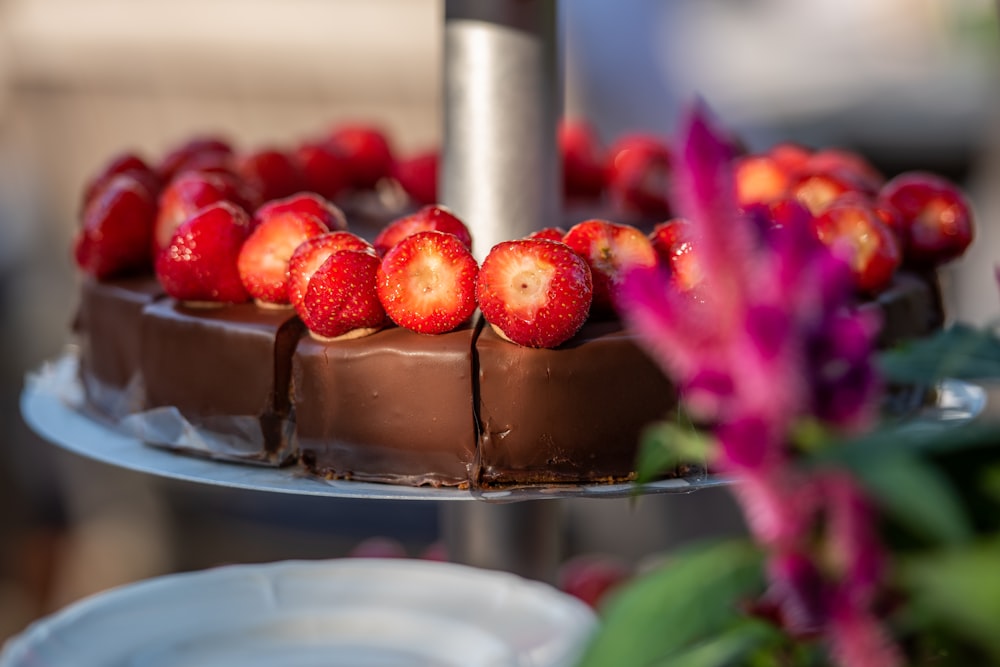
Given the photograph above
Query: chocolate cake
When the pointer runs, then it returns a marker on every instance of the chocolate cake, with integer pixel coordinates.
(465, 408)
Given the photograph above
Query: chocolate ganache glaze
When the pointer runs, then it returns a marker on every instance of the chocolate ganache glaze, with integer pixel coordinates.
(221, 362)
(395, 406)
(108, 333)
(570, 414)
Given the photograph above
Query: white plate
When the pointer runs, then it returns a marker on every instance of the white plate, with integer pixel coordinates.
(357, 612)
(47, 406)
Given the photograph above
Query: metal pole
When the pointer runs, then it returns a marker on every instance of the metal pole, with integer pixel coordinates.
(502, 100)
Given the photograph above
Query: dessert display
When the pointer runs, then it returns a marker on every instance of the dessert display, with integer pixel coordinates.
(244, 296)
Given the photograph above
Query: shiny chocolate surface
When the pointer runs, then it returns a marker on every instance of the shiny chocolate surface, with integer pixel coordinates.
(395, 406)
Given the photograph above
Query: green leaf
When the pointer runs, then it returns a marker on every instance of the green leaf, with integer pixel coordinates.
(961, 352)
(919, 496)
(665, 445)
(686, 601)
(731, 647)
(960, 590)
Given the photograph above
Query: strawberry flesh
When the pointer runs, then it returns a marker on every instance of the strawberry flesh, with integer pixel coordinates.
(427, 282)
(312, 253)
(264, 258)
(534, 292)
(428, 218)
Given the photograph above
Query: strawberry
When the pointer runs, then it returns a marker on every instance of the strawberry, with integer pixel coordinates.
(200, 262)
(854, 231)
(936, 221)
(311, 253)
(418, 176)
(427, 282)
(610, 249)
(189, 192)
(639, 173)
(592, 577)
(367, 152)
(263, 260)
(341, 300)
(818, 189)
(304, 202)
(428, 218)
(790, 156)
(192, 153)
(674, 246)
(759, 179)
(550, 233)
(582, 159)
(117, 225)
(855, 165)
(534, 292)
(270, 172)
(123, 163)
(324, 169)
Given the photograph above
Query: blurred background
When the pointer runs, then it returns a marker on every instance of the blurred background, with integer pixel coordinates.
(911, 83)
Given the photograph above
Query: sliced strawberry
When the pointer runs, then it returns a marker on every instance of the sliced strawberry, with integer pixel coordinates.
(123, 163)
(854, 231)
(760, 179)
(427, 282)
(428, 218)
(673, 242)
(271, 172)
(550, 233)
(263, 261)
(324, 169)
(311, 253)
(190, 192)
(198, 150)
(199, 263)
(611, 249)
(116, 229)
(341, 300)
(534, 292)
(367, 152)
(639, 176)
(936, 221)
(583, 160)
(304, 202)
(418, 176)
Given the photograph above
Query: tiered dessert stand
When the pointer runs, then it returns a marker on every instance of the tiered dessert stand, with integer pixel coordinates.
(501, 104)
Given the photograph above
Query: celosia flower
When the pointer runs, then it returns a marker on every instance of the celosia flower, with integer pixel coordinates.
(771, 340)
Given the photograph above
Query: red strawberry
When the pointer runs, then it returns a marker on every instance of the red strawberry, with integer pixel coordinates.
(672, 241)
(534, 292)
(936, 219)
(418, 176)
(304, 202)
(853, 230)
(550, 233)
(311, 253)
(192, 153)
(124, 163)
(199, 264)
(263, 260)
(760, 179)
(790, 156)
(341, 300)
(367, 152)
(270, 172)
(188, 193)
(583, 160)
(839, 160)
(324, 169)
(818, 189)
(639, 173)
(427, 282)
(429, 218)
(114, 237)
(592, 577)
(610, 249)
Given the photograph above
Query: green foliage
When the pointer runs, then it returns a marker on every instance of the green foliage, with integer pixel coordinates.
(666, 445)
(689, 609)
(960, 352)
